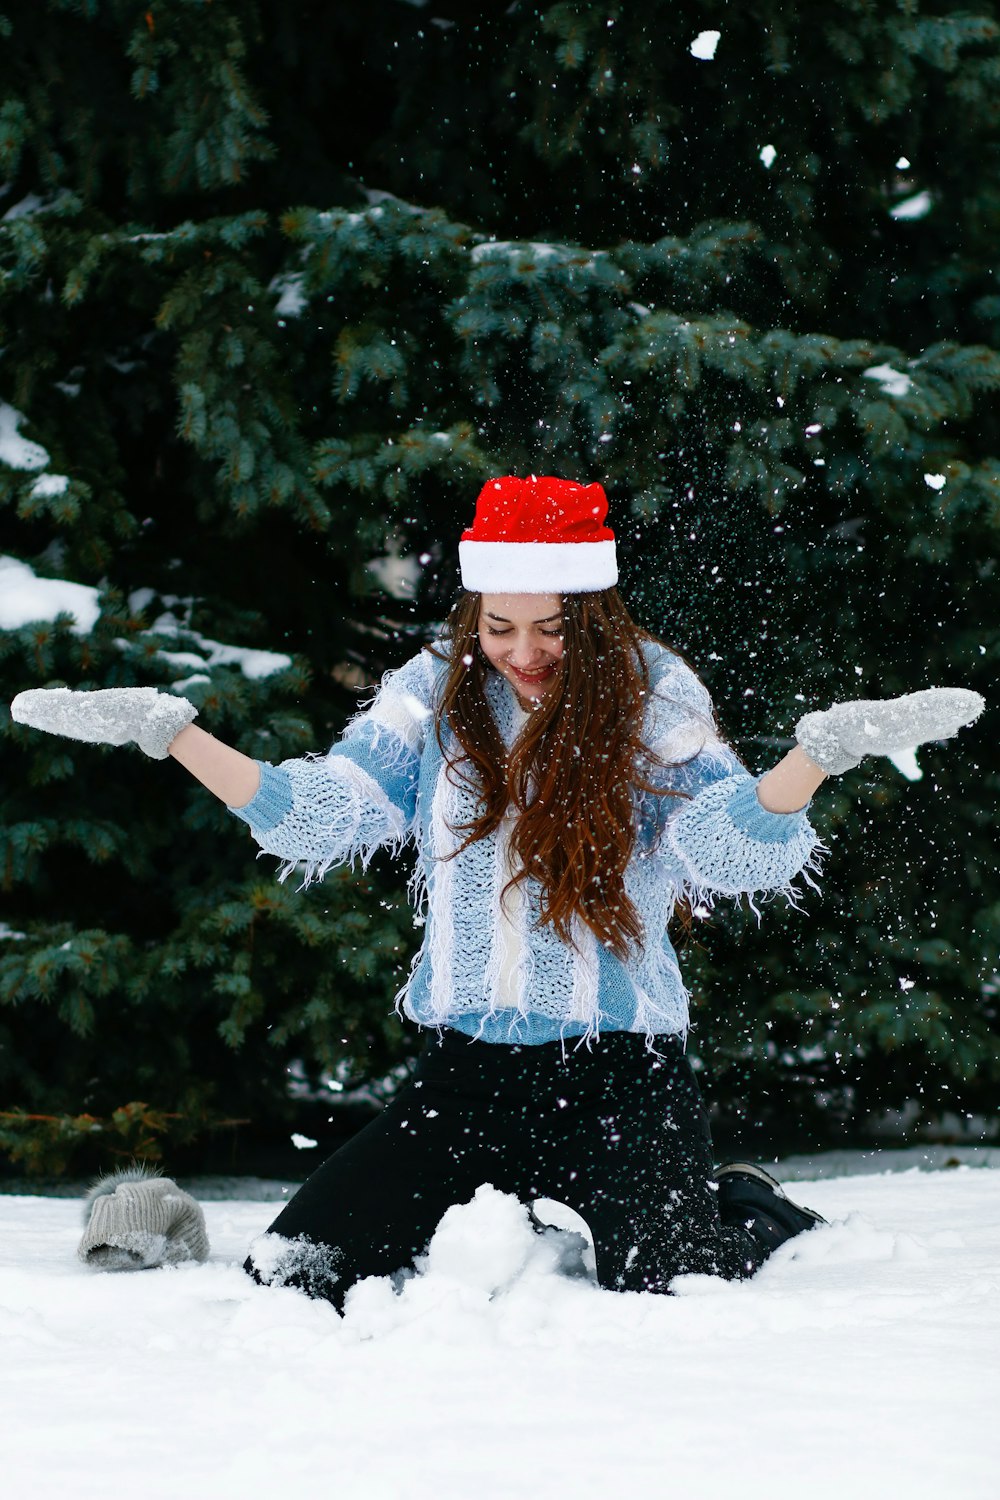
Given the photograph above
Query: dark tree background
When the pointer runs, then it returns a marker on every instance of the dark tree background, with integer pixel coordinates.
(280, 284)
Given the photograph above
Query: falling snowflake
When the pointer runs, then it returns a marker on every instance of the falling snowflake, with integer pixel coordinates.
(704, 45)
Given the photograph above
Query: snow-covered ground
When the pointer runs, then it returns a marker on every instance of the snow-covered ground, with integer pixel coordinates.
(863, 1362)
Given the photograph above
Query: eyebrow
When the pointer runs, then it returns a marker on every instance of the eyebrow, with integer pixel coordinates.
(504, 621)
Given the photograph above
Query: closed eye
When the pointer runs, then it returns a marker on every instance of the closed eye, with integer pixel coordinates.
(491, 630)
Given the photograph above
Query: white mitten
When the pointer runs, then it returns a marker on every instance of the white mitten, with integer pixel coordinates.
(838, 738)
(136, 1219)
(108, 716)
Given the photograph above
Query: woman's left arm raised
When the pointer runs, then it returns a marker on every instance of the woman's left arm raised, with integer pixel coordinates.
(792, 782)
(742, 834)
(837, 738)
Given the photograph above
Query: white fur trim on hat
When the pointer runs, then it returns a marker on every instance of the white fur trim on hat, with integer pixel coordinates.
(538, 567)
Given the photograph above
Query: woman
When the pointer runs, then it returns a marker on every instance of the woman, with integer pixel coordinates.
(564, 781)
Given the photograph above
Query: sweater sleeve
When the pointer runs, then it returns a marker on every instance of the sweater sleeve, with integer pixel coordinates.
(323, 810)
(719, 839)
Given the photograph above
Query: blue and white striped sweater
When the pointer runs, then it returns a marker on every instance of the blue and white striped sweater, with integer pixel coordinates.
(497, 975)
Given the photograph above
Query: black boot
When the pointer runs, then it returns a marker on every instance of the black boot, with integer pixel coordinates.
(750, 1198)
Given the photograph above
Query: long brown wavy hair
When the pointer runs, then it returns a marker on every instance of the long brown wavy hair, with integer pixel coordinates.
(571, 772)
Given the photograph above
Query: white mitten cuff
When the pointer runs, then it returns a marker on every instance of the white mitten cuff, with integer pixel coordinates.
(818, 738)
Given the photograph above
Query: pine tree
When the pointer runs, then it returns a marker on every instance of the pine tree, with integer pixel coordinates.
(279, 286)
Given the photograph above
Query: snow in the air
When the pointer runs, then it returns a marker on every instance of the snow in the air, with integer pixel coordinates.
(767, 155)
(912, 208)
(861, 1361)
(704, 45)
(935, 481)
(893, 382)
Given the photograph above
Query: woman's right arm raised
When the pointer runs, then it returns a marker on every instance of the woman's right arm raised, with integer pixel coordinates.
(314, 811)
(160, 723)
(228, 773)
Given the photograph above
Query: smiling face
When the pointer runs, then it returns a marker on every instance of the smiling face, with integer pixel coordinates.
(522, 636)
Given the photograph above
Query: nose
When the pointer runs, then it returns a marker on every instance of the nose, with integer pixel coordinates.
(525, 654)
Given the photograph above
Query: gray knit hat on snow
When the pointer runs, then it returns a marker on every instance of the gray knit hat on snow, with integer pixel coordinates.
(137, 1219)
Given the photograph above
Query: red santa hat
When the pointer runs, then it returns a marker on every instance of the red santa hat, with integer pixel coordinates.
(538, 536)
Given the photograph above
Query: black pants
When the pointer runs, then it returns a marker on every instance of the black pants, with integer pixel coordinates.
(615, 1132)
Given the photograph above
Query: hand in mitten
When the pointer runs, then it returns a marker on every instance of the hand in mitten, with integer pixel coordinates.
(108, 716)
(136, 1219)
(838, 738)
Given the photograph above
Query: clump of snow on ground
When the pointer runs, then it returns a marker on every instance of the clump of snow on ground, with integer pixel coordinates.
(485, 1244)
(861, 1360)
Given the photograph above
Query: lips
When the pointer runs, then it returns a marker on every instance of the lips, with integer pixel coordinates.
(541, 675)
